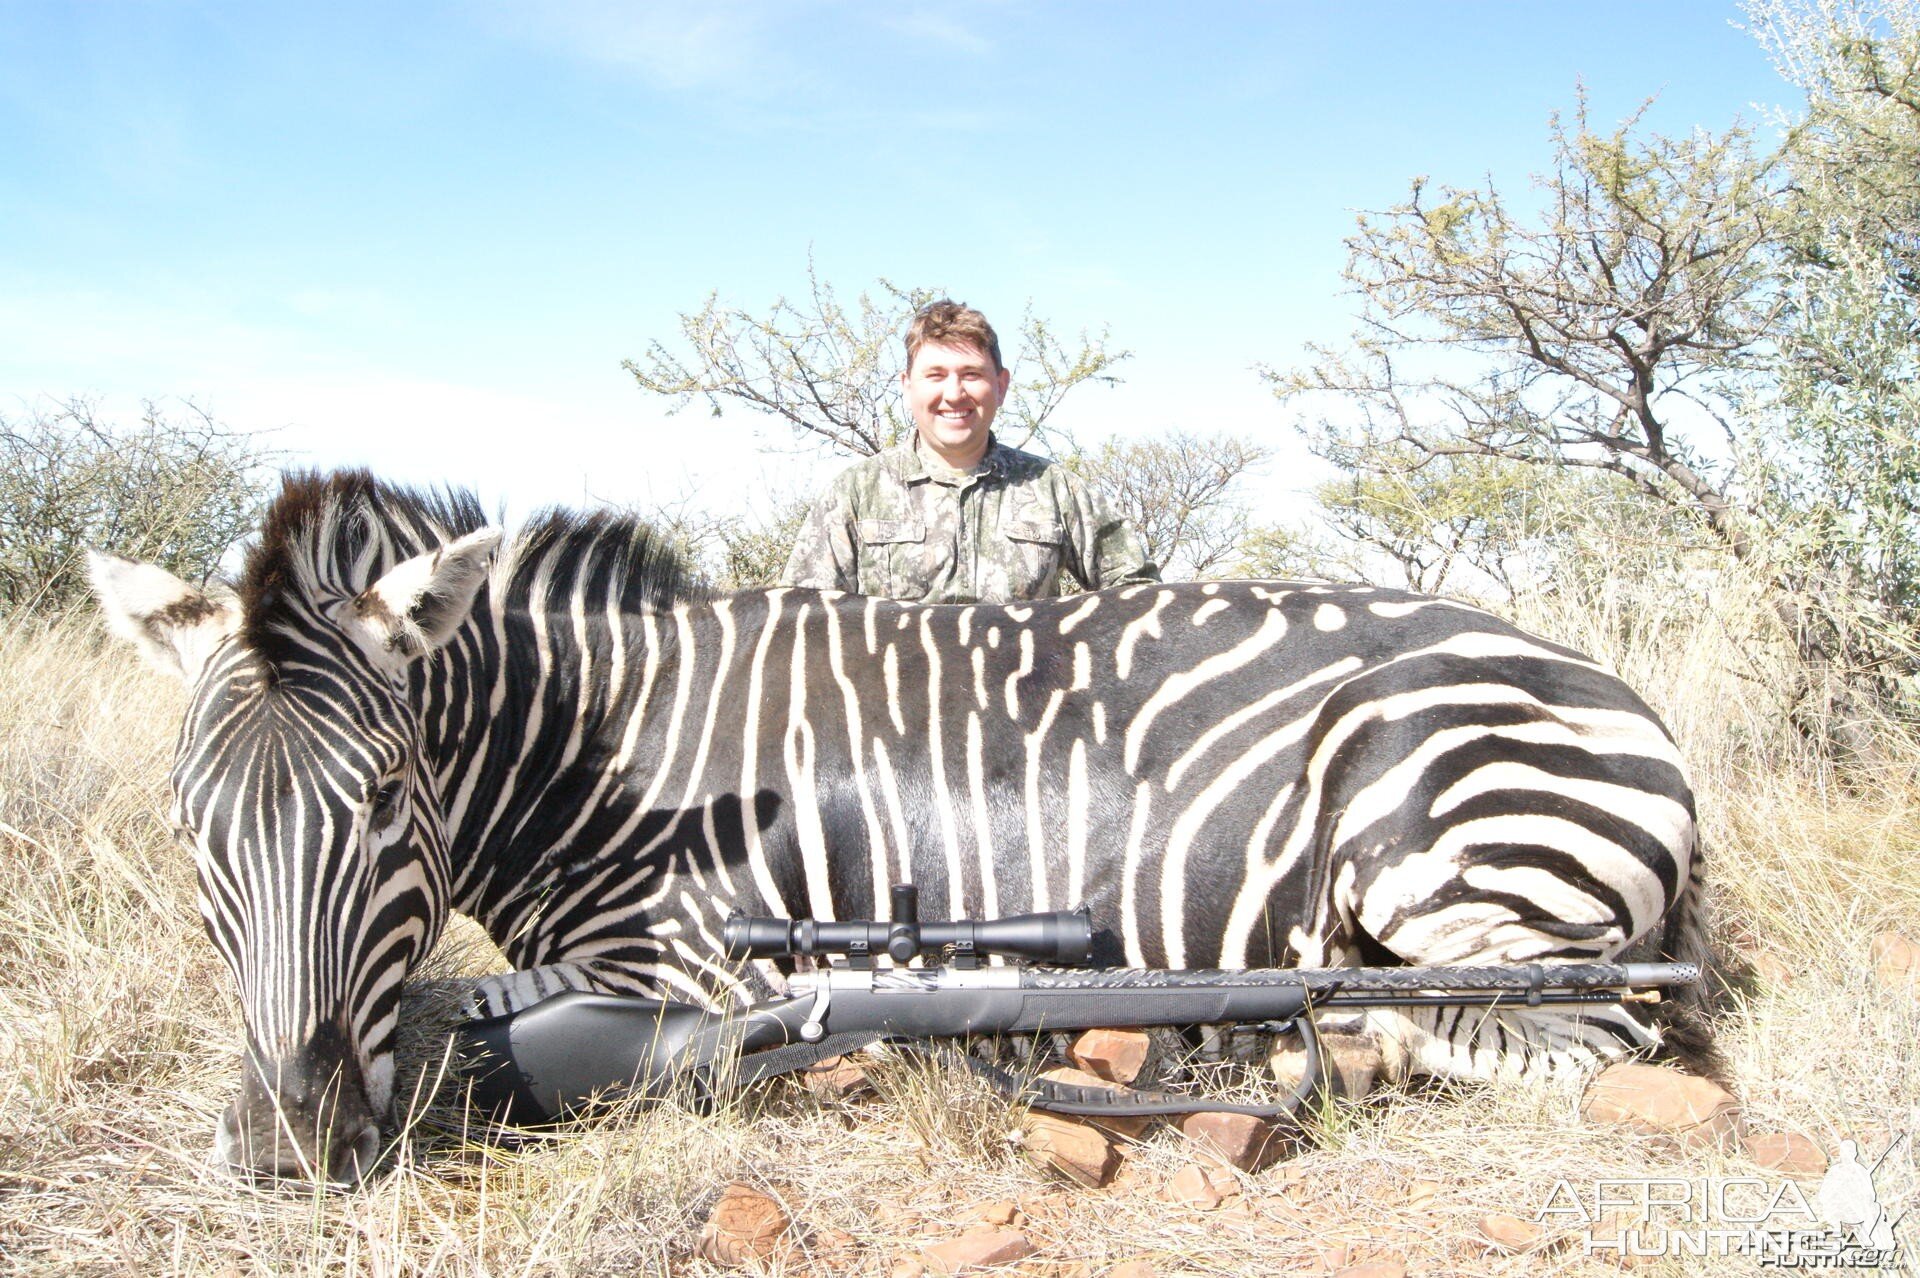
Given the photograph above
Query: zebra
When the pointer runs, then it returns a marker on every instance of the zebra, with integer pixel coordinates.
(396, 713)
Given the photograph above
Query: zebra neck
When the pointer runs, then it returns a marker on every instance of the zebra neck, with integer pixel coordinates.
(543, 731)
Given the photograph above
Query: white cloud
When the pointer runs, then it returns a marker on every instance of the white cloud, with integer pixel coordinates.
(720, 44)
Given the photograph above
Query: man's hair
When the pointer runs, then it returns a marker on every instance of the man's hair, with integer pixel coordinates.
(950, 323)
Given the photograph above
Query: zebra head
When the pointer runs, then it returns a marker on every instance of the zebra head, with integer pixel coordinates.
(299, 784)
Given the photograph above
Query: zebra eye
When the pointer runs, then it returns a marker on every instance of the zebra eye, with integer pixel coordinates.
(386, 803)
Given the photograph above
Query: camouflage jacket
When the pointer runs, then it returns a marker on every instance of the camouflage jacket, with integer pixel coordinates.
(906, 527)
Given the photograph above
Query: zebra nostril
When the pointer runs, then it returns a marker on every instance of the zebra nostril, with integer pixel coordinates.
(353, 1157)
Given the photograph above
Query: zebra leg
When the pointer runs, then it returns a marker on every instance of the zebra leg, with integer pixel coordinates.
(1486, 1043)
(692, 979)
(510, 992)
(1490, 1043)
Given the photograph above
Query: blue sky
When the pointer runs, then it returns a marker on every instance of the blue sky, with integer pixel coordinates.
(423, 237)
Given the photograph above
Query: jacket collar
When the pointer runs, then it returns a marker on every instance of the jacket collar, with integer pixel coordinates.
(909, 465)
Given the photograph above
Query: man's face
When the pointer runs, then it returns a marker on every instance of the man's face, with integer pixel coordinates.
(953, 393)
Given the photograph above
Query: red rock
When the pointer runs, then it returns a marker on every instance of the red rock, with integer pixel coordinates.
(1238, 1140)
(744, 1226)
(1422, 1193)
(1114, 1055)
(836, 1078)
(1374, 1269)
(833, 1241)
(1197, 1186)
(1896, 961)
(1659, 1100)
(1618, 1228)
(1004, 1212)
(977, 1251)
(1788, 1152)
(1074, 1149)
(1353, 1062)
(1510, 1233)
(1773, 972)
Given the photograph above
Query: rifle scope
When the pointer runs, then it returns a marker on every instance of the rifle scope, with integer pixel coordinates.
(1061, 937)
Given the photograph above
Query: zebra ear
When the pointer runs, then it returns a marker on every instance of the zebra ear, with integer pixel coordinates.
(175, 626)
(418, 604)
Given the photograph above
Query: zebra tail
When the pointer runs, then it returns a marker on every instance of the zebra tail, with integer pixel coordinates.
(1685, 1017)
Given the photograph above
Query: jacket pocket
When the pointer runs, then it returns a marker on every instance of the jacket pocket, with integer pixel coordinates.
(889, 549)
(1032, 558)
(886, 532)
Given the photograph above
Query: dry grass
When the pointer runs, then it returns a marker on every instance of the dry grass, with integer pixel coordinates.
(118, 1041)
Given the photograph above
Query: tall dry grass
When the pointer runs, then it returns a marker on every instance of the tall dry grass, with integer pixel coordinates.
(118, 1041)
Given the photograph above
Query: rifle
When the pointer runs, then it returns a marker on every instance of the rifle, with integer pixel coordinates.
(565, 1054)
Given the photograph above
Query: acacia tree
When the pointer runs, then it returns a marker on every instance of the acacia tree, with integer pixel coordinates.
(177, 489)
(1432, 517)
(1843, 409)
(832, 371)
(1627, 329)
(1180, 493)
(1490, 527)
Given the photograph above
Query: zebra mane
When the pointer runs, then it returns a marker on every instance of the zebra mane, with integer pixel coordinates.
(327, 537)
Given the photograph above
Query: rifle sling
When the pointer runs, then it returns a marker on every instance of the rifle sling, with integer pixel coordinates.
(785, 1060)
(1102, 1102)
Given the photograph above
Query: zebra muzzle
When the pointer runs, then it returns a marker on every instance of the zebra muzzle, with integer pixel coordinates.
(303, 1116)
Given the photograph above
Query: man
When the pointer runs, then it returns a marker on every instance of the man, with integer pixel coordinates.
(953, 515)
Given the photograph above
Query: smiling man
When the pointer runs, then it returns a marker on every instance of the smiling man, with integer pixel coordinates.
(953, 515)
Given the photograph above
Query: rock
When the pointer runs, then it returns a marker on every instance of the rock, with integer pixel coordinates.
(906, 1267)
(833, 1242)
(1896, 961)
(1617, 1231)
(977, 1251)
(1238, 1140)
(1353, 1062)
(1074, 1149)
(1005, 1212)
(1198, 1186)
(1422, 1193)
(1374, 1269)
(1773, 972)
(1658, 1100)
(1122, 1124)
(1114, 1055)
(836, 1078)
(1510, 1233)
(1788, 1152)
(744, 1226)
(1132, 1269)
